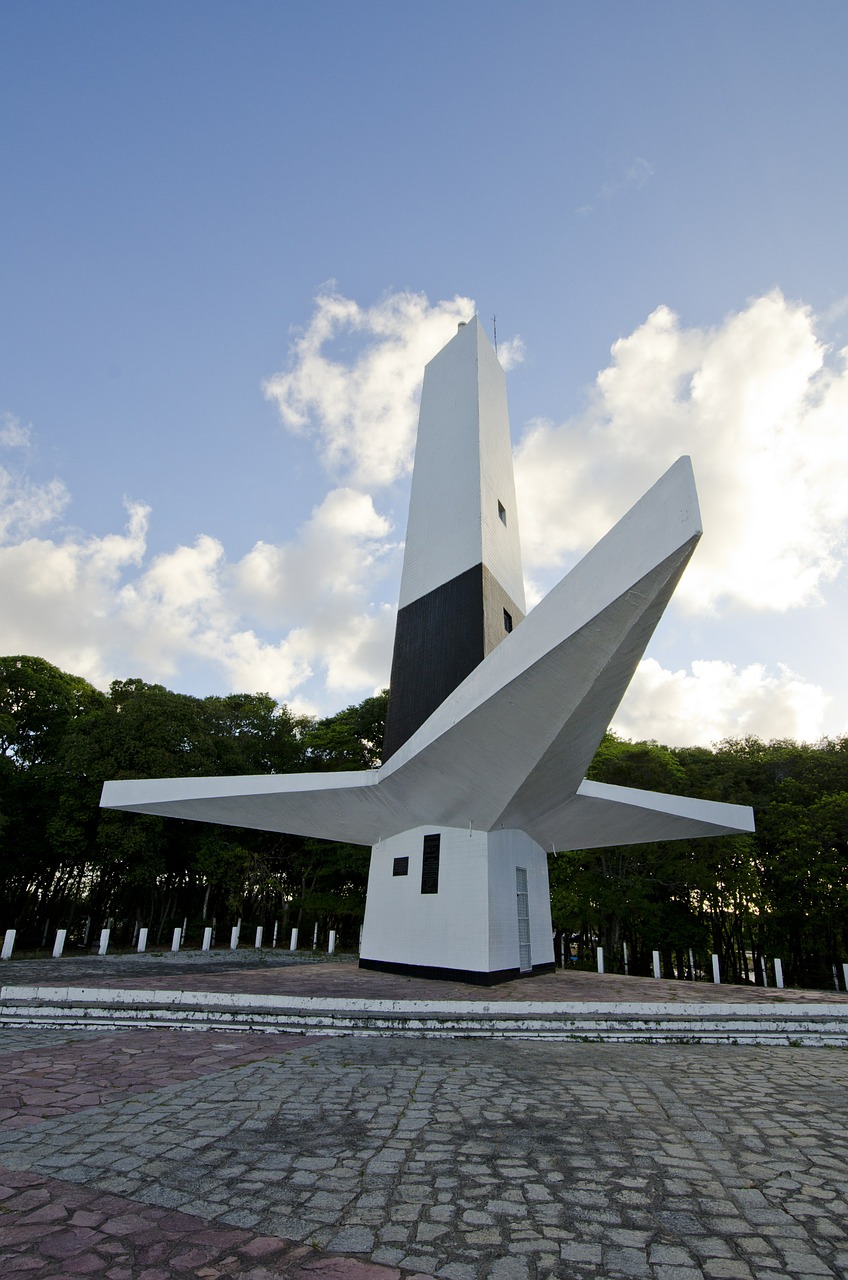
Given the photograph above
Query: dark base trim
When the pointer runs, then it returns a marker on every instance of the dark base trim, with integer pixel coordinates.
(473, 976)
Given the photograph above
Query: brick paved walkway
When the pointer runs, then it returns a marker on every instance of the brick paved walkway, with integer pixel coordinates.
(277, 973)
(146, 1155)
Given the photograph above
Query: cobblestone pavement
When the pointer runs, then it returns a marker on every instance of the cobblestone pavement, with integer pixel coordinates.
(146, 1155)
(281, 973)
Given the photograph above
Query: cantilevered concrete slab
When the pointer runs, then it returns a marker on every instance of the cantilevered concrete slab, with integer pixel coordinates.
(461, 814)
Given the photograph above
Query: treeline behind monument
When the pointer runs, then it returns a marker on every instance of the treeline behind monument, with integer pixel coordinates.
(64, 863)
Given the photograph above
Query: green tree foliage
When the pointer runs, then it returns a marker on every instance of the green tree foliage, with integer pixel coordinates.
(782, 891)
(64, 862)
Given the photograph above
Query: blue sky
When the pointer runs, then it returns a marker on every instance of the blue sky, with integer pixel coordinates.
(182, 183)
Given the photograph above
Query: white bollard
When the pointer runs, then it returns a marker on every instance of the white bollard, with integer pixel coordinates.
(716, 970)
(600, 959)
(176, 939)
(293, 943)
(59, 944)
(845, 975)
(626, 960)
(331, 944)
(207, 938)
(778, 973)
(142, 940)
(104, 942)
(259, 931)
(234, 937)
(8, 944)
(657, 972)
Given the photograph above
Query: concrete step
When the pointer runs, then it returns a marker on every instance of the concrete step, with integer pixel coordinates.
(101, 1008)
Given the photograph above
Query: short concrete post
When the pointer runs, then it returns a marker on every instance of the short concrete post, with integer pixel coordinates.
(657, 970)
(691, 965)
(331, 942)
(274, 939)
(207, 938)
(259, 931)
(184, 931)
(142, 940)
(626, 959)
(835, 977)
(293, 943)
(716, 970)
(176, 939)
(845, 975)
(59, 944)
(8, 944)
(315, 936)
(234, 937)
(600, 959)
(104, 942)
(764, 970)
(778, 973)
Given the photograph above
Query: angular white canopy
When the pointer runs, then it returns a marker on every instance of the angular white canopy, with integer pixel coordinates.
(510, 746)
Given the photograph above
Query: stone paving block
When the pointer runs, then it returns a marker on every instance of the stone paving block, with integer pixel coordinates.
(244, 1132)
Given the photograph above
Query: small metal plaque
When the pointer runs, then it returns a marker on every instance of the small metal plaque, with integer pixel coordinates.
(400, 867)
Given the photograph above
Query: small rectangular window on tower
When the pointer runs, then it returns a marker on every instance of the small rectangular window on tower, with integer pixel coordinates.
(430, 864)
(507, 622)
(502, 512)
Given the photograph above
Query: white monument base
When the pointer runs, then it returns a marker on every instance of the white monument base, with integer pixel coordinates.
(449, 902)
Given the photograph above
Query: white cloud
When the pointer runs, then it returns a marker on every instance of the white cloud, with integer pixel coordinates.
(511, 352)
(354, 377)
(14, 434)
(631, 176)
(24, 506)
(762, 411)
(95, 605)
(715, 700)
(759, 402)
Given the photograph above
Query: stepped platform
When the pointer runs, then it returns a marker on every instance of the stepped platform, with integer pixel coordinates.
(278, 992)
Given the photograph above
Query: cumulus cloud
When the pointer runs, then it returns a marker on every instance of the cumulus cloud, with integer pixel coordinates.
(715, 700)
(760, 404)
(354, 376)
(98, 606)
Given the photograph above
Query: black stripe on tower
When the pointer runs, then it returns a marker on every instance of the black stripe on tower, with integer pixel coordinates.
(439, 639)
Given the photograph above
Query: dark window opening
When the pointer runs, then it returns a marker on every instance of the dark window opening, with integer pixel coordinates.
(400, 867)
(430, 864)
(507, 621)
(502, 512)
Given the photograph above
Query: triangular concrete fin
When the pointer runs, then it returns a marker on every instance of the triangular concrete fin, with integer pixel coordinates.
(600, 815)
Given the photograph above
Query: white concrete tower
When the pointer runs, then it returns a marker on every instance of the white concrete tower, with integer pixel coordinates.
(462, 588)
(450, 901)
(489, 734)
